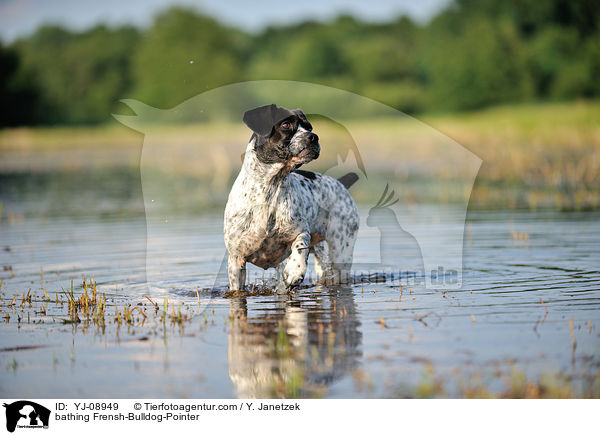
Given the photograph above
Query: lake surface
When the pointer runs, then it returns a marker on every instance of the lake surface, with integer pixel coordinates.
(528, 308)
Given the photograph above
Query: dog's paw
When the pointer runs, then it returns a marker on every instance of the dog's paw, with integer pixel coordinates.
(292, 280)
(293, 274)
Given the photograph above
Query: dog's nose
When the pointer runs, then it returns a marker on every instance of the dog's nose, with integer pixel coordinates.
(313, 137)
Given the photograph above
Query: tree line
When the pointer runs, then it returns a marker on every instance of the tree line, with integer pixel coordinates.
(471, 55)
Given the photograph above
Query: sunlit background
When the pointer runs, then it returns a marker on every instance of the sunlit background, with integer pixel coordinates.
(69, 62)
(500, 78)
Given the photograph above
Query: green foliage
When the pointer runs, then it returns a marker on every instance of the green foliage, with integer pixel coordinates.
(474, 54)
(17, 92)
(80, 76)
(482, 63)
(183, 54)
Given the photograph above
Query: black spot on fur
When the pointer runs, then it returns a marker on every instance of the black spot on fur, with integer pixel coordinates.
(306, 174)
(271, 222)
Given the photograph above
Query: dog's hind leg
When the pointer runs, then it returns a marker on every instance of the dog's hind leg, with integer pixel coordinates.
(340, 256)
(295, 268)
(236, 272)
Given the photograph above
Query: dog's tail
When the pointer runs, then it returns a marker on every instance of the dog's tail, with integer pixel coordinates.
(348, 180)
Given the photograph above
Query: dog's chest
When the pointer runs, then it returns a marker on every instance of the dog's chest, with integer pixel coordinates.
(261, 235)
(261, 230)
(270, 252)
(265, 212)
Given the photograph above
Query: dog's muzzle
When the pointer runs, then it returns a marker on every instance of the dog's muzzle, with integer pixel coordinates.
(310, 147)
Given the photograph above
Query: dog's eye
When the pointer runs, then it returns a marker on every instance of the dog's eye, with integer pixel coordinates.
(286, 125)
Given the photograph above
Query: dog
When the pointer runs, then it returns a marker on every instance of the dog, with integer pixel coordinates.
(276, 211)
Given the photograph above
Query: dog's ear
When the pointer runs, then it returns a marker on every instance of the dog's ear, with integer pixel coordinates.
(302, 116)
(262, 119)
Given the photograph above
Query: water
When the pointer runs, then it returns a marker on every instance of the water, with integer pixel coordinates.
(368, 340)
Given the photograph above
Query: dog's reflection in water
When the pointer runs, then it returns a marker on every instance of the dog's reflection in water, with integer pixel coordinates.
(295, 347)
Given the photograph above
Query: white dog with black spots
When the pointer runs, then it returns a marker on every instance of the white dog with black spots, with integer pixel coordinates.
(276, 211)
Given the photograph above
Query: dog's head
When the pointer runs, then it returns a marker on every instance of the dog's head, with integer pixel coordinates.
(282, 136)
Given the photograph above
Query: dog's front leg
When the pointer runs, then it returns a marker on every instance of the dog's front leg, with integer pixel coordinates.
(236, 272)
(295, 269)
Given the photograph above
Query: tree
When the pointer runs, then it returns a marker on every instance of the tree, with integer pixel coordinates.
(185, 53)
(80, 77)
(482, 63)
(17, 92)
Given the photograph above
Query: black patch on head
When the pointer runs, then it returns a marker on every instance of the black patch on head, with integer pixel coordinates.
(271, 141)
(274, 149)
(306, 174)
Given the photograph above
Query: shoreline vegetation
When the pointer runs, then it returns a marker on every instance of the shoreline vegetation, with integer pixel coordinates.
(544, 156)
(468, 56)
(84, 309)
